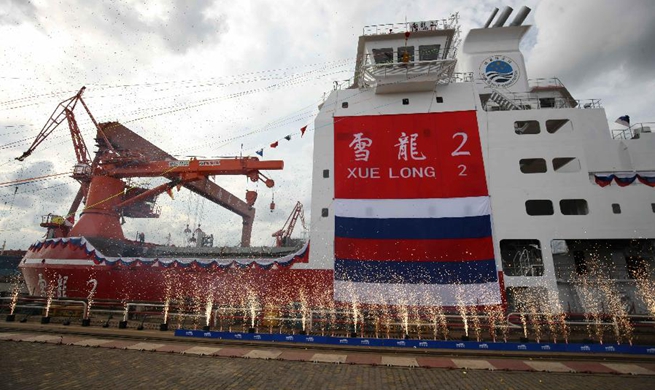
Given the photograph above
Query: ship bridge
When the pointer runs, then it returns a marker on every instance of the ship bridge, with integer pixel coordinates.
(407, 57)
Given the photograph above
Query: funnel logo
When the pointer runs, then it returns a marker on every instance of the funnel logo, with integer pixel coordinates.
(499, 71)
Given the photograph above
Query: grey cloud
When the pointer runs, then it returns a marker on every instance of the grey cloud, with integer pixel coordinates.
(584, 41)
(188, 24)
(15, 12)
(184, 25)
(55, 193)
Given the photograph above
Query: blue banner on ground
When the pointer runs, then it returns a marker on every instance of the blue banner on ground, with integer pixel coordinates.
(423, 344)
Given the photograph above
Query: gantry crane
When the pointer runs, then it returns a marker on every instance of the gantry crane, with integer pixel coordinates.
(283, 235)
(123, 154)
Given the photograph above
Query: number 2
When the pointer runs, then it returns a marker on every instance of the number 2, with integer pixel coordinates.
(459, 151)
(463, 170)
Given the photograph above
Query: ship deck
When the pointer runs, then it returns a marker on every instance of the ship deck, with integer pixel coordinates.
(127, 248)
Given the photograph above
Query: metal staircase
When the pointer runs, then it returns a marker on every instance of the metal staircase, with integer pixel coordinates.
(505, 103)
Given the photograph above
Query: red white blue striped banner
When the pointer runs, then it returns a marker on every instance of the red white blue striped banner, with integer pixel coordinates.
(412, 212)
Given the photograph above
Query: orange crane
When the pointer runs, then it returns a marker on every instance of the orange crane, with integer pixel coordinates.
(283, 235)
(108, 198)
(108, 194)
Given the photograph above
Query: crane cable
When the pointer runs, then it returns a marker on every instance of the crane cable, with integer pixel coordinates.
(25, 181)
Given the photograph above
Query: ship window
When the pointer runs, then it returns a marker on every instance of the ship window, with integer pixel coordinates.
(547, 102)
(344, 105)
(439, 99)
(539, 207)
(526, 127)
(573, 207)
(521, 257)
(566, 164)
(406, 54)
(383, 56)
(532, 165)
(616, 208)
(324, 213)
(405, 101)
(559, 125)
(652, 206)
(428, 52)
(326, 173)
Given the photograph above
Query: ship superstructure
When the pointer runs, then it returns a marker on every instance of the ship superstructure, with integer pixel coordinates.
(442, 176)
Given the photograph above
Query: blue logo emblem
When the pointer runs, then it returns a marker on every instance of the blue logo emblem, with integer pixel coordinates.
(499, 71)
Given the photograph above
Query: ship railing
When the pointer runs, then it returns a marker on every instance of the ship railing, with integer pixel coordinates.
(548, 82)
(440, 70)
(570, 273)
(528, 101)
(41, 303)
(340, 85)
(634, 131)
(524, 270)
(401, 27)
(398, 68)
(601, 319)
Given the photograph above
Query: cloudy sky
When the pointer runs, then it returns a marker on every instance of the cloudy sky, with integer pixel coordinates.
(219, 78)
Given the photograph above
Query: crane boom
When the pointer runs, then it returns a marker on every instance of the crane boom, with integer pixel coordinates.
(190, 170)
(283, 235)
(60, 113)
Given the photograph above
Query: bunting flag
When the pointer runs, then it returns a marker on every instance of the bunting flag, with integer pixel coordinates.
(624, 179)
(624, 120)
(649, 181)
(409, 226)
(286, 137)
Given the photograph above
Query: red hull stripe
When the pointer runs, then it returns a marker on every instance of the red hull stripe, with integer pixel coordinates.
(465, 249)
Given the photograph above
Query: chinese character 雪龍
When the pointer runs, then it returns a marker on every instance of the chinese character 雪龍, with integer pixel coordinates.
(361, 144)
(403, 142)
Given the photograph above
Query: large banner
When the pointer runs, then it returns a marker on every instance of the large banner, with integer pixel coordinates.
(412, 211)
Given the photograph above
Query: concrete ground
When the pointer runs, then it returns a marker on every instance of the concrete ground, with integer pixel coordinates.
(32, 365)
(35, 356)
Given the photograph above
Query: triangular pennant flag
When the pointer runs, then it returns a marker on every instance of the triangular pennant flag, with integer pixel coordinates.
(260, 152)
(302, 131)
(274, 144)
(288, 138)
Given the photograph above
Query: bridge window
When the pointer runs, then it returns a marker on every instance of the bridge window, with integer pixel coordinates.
(539, 207)
(532, 165)
(326, 173)
(526, 127)
(559, 125)
(383, 56)
(324, 213)
(406, 54)
(573, 207)
(428, 52)
(566, 164)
